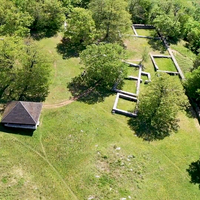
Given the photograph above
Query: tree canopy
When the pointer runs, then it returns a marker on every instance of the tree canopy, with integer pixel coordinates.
(103, 64)
(158, 107)
(111, 18)
(25, 71)
(197, 62)
(80, 28)
(192, 84)
(47, 16)
(13, 21)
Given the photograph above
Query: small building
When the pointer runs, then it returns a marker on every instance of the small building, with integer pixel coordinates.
(22, 114)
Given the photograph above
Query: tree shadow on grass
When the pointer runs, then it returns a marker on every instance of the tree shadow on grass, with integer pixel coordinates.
(146, 131)
(16, 131)
(68, 49)
(89, 93)
(157, 45)
(190, 112)
(194, 172)
(40, 34)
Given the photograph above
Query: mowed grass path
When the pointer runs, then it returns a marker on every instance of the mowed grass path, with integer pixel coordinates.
(63, 70)
(83, 151)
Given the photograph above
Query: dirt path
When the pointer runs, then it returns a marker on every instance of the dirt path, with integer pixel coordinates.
(60, 104)
(69, 101)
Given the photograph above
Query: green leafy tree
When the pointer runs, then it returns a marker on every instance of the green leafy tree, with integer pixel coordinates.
(140, 10)
(192, 84)
(48, 15)
(13, 21)
(170, 17)
(9, 47)
(69, 4)
(80, 27)
(103, 64)
(193, 38)
(197, 62)
(111, 18)
(167, 25)
(25, 71)
(33, 77)
(158, 107)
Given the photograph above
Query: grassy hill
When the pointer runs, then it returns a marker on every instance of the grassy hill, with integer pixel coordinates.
(83, 151)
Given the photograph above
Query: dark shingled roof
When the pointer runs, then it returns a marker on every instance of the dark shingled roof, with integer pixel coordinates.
(22, 112)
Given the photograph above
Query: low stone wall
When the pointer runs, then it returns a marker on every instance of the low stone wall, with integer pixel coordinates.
(123, 112)
(148, 37)
(135, 32)
(176, 64)
(133, 78)
(131, 64)
(143, 26)
(124, 92)
(161, 56)
(154, 63)
(169, 72)
(146, 74)
(138, 82)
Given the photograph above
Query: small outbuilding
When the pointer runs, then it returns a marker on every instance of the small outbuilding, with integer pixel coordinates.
(22, 114)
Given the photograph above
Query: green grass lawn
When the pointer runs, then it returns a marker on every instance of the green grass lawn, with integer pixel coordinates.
(74, 155)
(129, 86)
(147, 32)
(130, 31)
(185, 63)
(136, 47)
(132, 71)
(180, 47)
(63, 70)
(165, 64)
(126, 105)
(184, 56)
(83, 151)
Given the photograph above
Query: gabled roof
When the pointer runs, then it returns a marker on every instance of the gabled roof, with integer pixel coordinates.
(22, 112)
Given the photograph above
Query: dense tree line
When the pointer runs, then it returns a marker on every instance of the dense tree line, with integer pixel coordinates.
(91, 22)
(177, 19)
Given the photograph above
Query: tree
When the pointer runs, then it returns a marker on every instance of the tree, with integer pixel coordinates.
(158, 107)
(80, 28)
(48, 15)
(192, 84)
(165, 17)
(8, 52)
(193, 38)
(25, 71)
(170, 17)
(33, 78)
(103, 64)
(197, 62)
(167, 25)
(13, 21)
(140, 10)
(111, 18)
